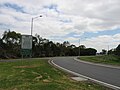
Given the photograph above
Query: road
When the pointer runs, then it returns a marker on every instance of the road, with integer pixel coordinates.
(104, 74)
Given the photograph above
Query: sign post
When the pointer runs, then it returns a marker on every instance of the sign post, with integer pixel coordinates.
(26, 46)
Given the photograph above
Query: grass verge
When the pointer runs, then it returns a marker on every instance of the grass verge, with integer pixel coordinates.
(105, 59)
(37, 74)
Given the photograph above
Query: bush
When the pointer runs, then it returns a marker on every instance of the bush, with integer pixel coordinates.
(117, 52)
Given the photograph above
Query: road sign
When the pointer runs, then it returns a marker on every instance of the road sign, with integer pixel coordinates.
(26, 45)
(26, 42)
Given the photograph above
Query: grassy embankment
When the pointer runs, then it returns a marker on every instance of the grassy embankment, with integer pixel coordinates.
(105, 59)
(38, 75)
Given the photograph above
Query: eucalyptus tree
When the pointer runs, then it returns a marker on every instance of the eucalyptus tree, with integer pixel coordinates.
(117, 52)
(12, 42)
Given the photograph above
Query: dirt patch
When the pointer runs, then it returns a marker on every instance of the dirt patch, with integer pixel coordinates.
(46, 81)
(38, 78)
(33, 66)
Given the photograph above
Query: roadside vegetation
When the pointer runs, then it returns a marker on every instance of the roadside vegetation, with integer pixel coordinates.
(112, 57)
(10, 47)
(104, 59)
(37, 74)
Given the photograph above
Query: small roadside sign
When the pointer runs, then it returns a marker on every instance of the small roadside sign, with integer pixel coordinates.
(26, 45)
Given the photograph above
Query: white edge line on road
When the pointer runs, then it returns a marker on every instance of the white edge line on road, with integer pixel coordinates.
(80, 75)
(108, 66)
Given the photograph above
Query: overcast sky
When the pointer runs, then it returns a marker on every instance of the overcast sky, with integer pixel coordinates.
(95, 22)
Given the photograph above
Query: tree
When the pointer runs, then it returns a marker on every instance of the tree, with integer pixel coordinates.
(66, 43)
(117, 52)
(104, 51)
(82, 47)
(11, 37)
(2, 51)
(112, 51)
(11, 41)
(10, 45)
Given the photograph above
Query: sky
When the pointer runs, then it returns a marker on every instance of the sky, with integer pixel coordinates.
(96, 23)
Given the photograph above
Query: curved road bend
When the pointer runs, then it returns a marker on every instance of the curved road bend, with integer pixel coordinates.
(104, 74)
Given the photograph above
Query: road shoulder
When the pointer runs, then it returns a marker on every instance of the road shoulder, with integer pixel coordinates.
(97, 64)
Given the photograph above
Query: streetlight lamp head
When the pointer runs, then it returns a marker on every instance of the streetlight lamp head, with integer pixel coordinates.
(40, 15)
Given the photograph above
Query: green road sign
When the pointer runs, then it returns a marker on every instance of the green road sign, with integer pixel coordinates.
(26, 51)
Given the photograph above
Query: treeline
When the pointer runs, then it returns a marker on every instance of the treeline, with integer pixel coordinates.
(10, 47)
(115, 51)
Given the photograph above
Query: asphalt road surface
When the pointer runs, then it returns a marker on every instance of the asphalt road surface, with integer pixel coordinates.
(104, 74)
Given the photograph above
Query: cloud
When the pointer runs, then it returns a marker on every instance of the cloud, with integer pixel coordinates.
(102, 42)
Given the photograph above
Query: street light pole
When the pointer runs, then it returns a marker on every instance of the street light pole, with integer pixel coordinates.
(32, 29)
(79, 48)
(31, 26)
(32, 23)
(108, 50)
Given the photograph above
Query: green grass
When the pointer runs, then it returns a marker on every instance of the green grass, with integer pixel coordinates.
(37, 74)
(105, 59)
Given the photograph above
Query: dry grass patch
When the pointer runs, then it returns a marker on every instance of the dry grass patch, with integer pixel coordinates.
(33, 66)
